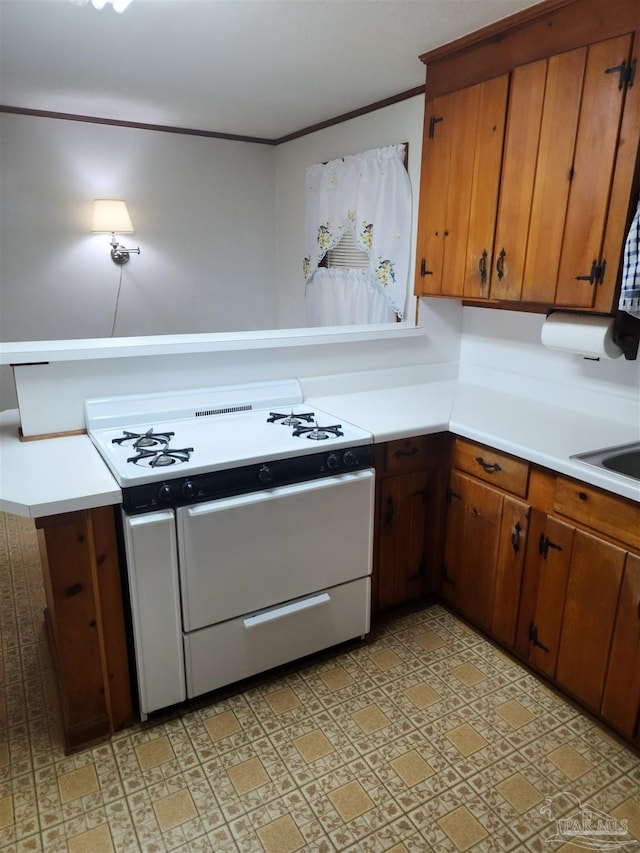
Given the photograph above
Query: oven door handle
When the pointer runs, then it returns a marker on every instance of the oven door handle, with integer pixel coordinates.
(286, 610)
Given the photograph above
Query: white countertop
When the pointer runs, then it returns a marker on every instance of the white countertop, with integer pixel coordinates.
(51, 476)
(63, 474)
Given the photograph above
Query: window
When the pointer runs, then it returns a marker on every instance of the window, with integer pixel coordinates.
(358, 220)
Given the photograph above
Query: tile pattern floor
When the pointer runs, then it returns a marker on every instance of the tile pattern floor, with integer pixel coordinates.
(428, 738)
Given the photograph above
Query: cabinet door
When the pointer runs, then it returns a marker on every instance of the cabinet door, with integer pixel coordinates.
(589, 616)
(592, 175)
(402, 558)
(560, 113)
(509, 568)
(459, 185)
(518, 176)
(551, 562)
(621, 699)
(485, 184)
(473, 531)
(559, 177)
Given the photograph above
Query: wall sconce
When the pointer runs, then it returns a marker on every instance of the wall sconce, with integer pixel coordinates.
(111, 215)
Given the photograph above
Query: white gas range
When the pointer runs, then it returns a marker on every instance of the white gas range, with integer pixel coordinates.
(248, 530)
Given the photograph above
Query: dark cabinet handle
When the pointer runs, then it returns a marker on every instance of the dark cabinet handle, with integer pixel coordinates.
(389, 511)
(500, 264)
(482, 267)
(405, 452)
(489, 467)
(515, 537)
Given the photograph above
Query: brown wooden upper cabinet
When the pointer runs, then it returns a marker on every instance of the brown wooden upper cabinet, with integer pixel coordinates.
(528, 178)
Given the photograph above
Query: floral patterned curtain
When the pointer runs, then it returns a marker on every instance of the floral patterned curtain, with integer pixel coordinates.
(370, 194)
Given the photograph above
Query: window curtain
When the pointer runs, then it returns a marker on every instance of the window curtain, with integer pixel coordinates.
(338, 297)
(370, 194)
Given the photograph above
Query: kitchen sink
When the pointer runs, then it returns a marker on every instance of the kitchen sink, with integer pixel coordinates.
(624, 459)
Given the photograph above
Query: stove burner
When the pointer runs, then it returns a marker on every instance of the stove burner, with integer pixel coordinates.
(161, 458)
(146, 439)
(318, 433)
(291, 419)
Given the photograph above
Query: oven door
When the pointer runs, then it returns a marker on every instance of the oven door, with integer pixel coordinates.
(242, 554)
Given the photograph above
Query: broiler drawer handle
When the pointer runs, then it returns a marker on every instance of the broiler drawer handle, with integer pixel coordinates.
(286, 610)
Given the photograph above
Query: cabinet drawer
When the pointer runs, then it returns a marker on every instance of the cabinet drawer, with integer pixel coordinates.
(492, 466)
(406, 454)
(607, 513)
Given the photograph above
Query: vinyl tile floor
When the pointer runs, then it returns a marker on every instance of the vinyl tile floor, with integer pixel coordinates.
(428, 738)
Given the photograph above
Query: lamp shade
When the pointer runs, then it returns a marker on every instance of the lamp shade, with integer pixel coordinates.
(111, 214)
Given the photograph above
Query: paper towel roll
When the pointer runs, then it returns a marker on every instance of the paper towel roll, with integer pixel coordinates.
(588, 335)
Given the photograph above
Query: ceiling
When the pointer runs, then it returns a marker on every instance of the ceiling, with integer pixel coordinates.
(259, 68)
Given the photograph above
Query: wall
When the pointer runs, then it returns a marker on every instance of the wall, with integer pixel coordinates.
(502, 349)
(59, 282)
(203, 210)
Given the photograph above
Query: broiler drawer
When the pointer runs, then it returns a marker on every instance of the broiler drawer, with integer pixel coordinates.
(230, 651)
(500, 469)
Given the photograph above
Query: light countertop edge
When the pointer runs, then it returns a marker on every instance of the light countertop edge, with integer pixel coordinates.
(65, 474)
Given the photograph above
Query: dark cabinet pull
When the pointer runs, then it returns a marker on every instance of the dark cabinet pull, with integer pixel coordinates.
(533, 637)
(405, 452)
(451, 495)
(433, 121)
(592, 275)
(423, 269)
(500, 264)
(489, 467)
(482, 267)
(626, 73)
(582, 496)
(515, 537)
(545, 543)
(390, 511)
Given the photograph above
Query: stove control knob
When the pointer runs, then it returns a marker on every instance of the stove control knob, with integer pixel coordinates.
(333, 461)
(264, 474)
(165, 493)
(349, 458)
(187, 489)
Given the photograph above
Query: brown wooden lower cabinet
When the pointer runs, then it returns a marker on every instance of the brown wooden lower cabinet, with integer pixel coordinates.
(85, 621)
(621, 697)
(471, 549)
(409, 523)
(534, 571)
(589, 615)
(548, 568)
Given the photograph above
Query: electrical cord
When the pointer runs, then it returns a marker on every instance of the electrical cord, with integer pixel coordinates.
(115, 313)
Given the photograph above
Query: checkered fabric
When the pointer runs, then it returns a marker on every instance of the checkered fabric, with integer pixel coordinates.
(630, 292)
